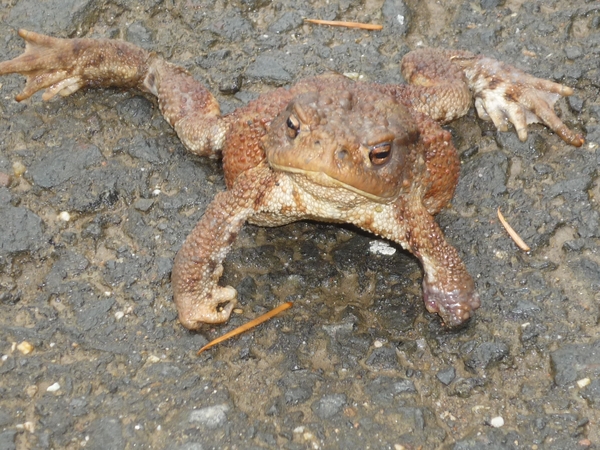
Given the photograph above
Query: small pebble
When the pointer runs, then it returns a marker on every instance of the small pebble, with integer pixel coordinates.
(354, 76)
(446, 375)
(583, 382)
(308, 436)
(19, 168)
(64, 216)
(497, 422)
(211, 416)
(25, 347)
(5, 179)
(53, 387)
(31, 390)
(381, 248)
(231, 85)
(27, 426)
(153, 359)
(119, 315)
(143, 204)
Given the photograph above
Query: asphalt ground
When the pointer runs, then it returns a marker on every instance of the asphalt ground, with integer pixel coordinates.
(357, 362)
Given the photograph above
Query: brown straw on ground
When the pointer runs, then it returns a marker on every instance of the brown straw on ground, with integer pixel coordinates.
(337, 23)
(253, 323)
(513, 234)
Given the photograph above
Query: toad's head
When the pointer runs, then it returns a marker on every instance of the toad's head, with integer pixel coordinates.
(350, 138)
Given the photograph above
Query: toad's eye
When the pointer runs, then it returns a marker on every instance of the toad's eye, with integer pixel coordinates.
(293, 126)
(380, 153)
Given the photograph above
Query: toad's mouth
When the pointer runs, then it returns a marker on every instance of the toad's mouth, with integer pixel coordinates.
(324, 180)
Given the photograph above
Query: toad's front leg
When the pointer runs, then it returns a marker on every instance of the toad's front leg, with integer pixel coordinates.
(448, 289)
(198, 265)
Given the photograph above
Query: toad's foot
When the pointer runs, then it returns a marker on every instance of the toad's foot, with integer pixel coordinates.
(505, 94)
(197, 268)
(214, 307)
(63, 66)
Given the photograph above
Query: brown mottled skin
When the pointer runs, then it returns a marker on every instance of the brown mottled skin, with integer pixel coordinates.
(326, 149)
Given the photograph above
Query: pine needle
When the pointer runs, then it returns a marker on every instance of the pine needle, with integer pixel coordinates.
(513, 234)
(337, 23)
(253, 323)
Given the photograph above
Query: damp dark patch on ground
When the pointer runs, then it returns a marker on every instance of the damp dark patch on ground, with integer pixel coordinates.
(357, 362)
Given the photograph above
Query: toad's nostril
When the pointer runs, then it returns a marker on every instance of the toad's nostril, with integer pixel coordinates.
(342, 154)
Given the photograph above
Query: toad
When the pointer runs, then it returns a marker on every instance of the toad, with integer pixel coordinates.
(326, 149)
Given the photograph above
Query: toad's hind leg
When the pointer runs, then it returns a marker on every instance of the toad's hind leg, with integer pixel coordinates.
(443, 84)
(63, 66)
(188, 106)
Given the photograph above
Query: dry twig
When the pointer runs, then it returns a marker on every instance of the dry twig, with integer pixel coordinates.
(513, 234)
(253, 323)
(337, 23)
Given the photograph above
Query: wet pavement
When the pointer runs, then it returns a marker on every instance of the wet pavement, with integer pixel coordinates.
(89, 231)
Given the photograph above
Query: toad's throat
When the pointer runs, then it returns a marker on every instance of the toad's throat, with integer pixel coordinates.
(327, 181)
